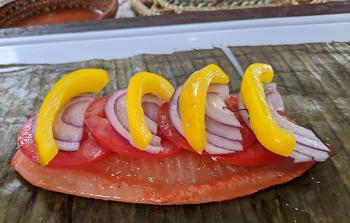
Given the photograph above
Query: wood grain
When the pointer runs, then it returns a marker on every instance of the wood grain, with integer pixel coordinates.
(303, 73)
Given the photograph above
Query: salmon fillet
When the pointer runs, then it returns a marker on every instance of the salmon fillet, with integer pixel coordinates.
(185, 178)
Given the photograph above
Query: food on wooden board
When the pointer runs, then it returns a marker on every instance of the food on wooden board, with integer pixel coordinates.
(151, 143)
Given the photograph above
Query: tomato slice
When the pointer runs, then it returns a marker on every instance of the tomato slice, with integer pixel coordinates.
(253, 153)
(88, 152)
(107, 137)
(168, 130)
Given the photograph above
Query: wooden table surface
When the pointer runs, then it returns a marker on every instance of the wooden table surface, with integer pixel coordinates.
(314, 80)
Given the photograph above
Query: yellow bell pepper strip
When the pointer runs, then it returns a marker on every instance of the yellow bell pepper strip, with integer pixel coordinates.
(69, 86)
(140, 84)
(192, 104)
(267, 131)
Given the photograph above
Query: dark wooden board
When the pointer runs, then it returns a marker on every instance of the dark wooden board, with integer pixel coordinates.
(333, 7)
(321, 195)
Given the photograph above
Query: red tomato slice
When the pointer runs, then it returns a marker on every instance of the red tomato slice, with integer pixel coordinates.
(168, 130)
(88, 152)
(253, 153)
(106, 136)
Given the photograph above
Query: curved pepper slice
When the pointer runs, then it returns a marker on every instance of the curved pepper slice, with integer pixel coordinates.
(69, 86)
(192, 103)
(267, 131)
(140, 84)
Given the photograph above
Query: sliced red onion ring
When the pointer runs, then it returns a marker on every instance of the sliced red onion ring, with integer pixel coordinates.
(151, 110)
(224, 143)
(309, 146)
(67, 146)
(74, 112)
(225, 131)
(87, 96)
(243, 111)
(174, 113)
(282, 122)
(62, 145)
(316, 154)
(273, 97)
(216, 109)
(67, 127)
(212, 126)
(297, 129)
(122, 115)
(151, 105)
(303, 136)
(152, 125)
(116, 113)
(300, 158)
(221, 89)
(221, 138)
(275, 101)
(316, 144)
(152, 99)
(65, 131)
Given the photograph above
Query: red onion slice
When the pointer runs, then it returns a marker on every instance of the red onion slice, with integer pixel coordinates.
(300, 158)
(174, 113)
(216, 109)
(62, 145)
(68, 124)
(221, 89)
(282, 122)
(151, 110)
(224, 143)
(122, 115)
(303, 136)
(316, 144)
(65, 131)
(297, 129)
(152, 99)
(152, 125)
(212, 149)
(317, 155)
(151, 105)
(116, 112)
(243, 111)
(309, 146)
(222, 138)
(275, 101)
(225, 131)
(120, 110)
(67, 146)
(273, 97)
(87, 96)
(74, 112)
